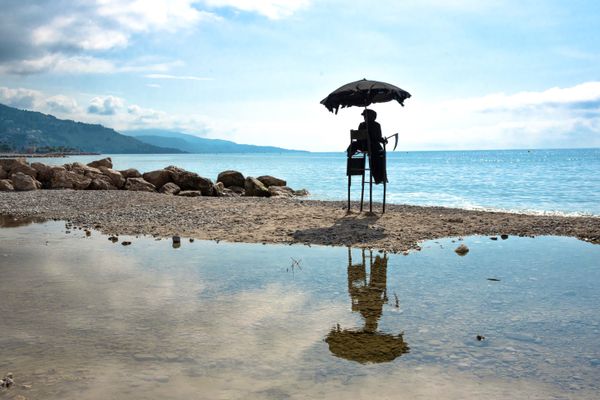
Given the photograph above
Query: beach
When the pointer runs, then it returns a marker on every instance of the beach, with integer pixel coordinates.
(281, 220)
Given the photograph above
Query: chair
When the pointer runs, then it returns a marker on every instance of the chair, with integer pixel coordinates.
(357, 166)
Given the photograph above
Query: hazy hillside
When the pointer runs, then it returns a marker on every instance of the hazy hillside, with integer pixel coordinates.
(27, 130)
(194, 144)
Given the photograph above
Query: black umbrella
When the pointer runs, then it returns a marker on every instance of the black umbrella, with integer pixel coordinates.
(363, 93)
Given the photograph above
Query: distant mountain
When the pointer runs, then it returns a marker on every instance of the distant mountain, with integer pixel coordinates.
(22, 131)
(195, 144)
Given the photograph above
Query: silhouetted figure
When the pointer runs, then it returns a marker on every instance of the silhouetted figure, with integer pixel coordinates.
(376, 155)
(367, 345)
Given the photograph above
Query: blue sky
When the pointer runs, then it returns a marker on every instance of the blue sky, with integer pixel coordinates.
(493, 74)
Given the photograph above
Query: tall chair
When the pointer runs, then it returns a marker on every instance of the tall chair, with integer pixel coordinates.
(357, 166)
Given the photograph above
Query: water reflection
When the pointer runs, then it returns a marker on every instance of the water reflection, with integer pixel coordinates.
(368, 295)
(9, 221)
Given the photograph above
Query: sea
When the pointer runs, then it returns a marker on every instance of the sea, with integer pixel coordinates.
(564, 182)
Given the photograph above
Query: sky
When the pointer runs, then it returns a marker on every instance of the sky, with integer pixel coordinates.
(483, 74)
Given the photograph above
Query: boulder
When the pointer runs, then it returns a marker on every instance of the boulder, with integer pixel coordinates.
(82, 169)
(23, 182)
(23, 167)
(105, 162)
(281, 191)
(158, 178)
(101, 182)
(254, 187)
(237, 190)
(190, 193)
(7, 163)
(139, 185)
(131, 173)
(169, 188)
(6, 185)
(3, 173)
(44, 172)
(269, 180)
(229, 193)
(218, 189)
(301, 192)
(63, 179)
(187, 180)
(115, 176)
(231, 178)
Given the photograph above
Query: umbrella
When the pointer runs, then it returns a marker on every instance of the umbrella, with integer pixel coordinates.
(365, 347)
(362, 94)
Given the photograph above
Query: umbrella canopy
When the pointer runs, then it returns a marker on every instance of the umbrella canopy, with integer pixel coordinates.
(362, 94)
(364, 347)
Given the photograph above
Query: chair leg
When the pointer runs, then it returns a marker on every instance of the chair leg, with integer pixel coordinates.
(362, 191)
(384, 187)
(370, 192)
(349, 183)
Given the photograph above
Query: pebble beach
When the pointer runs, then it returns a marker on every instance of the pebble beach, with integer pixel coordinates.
(280, 220)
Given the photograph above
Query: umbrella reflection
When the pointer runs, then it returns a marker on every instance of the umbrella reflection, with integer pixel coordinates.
(368, 295)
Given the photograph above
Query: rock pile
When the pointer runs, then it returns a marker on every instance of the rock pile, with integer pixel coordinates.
(18, 175)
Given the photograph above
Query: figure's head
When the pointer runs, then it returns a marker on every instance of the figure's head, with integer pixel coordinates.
(369, 114)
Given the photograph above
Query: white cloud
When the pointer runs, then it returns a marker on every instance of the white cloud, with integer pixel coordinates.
(61, 104)
(177, 77)
(273, 9)
(107, 105)
(20, 98)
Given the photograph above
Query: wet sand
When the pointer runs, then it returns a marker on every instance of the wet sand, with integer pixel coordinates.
(276, 220)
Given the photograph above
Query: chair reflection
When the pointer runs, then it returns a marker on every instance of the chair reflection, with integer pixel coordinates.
(368, 295)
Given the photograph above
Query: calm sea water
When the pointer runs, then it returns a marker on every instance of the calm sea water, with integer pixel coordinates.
(537, 181)
(84, 318)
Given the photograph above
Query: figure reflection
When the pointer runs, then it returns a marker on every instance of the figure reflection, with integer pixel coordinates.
(368, 295)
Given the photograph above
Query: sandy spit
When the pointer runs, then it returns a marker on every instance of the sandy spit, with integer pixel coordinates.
(276, 220)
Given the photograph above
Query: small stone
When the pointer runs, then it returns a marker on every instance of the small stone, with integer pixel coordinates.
(113, 239)
(125, 243)
(461, 250)
(494, 238)
(176, 239)
(504, 237)
(480, 338)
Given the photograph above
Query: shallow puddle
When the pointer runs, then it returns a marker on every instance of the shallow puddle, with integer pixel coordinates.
(86, 318)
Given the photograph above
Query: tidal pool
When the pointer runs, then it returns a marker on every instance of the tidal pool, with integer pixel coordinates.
(85, 318)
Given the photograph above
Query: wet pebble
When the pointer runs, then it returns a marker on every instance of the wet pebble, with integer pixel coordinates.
(125, 243)
(461, 250)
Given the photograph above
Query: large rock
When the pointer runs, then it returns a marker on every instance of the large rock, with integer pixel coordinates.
(239, 190)
(190, 193)
(44, 173)
(23, 182)
(24, 168)
(139, 185)
(158, 178)
(82, 169)
(105, 162)
(63, 179)
(231, 178)
(7, 163)
(131, 173)
(269, 181)
(169, 188)
(101, 182)
(281, 191)
(254, 187)
(6, 185)
(3, 173)
(301, 192)
(115, 176)
(218, 189)
(187, 180)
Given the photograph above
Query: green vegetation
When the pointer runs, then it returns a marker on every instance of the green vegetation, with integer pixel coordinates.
(33, 132)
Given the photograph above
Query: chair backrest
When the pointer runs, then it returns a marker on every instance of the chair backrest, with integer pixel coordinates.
(358, 134)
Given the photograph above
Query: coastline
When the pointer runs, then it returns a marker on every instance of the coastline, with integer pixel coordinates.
(281, 220)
